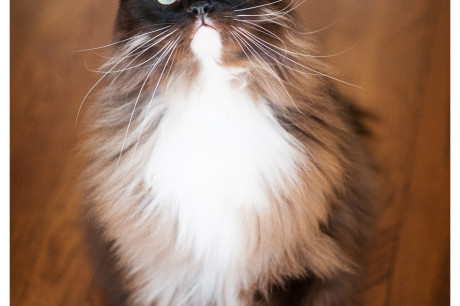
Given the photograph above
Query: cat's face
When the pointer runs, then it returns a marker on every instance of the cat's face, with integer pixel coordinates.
(140, 13)
(173, 24)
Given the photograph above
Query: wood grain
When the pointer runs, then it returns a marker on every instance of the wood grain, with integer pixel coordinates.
(401, 59)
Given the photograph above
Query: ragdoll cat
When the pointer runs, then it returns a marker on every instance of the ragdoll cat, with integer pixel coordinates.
(222, 167)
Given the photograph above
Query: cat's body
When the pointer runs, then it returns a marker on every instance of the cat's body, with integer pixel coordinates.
(212, 183)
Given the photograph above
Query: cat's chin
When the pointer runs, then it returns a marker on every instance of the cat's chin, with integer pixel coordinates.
(206, 42)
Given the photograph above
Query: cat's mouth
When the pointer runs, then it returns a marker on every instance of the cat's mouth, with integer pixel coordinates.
(208, 26)
(204, 22)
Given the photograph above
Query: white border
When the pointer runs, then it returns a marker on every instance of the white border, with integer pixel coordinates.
(455, 151)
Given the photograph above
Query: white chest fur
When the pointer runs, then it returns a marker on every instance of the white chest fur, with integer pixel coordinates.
(217, 154)
(218, 151)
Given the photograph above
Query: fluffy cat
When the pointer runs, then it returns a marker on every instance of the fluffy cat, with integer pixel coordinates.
(222, 167)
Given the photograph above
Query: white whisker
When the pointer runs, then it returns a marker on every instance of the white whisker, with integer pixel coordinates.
(126, 67)
(242, 49)
(263, 49)
(320, 30)
(123, 40)
(111, 70)
(143, 51)
(280, 13)
(260, 29)
(296, 53)
(153, 95)
(271, 17)
(303, 66)
(135, 104)
(257, 6)
(273, 73)
(92, 88)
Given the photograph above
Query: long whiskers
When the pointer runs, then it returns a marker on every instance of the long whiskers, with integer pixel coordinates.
(153, 95)
(128, 66)
(261, 48)
(267, 47)
(296, 53)
(260, 29)
(320, 30)
(131, 51)
(257, 6)
(171, 45)
(123, 40)
(267, 68)
(134, 49)
(272, 16)
(274, 13)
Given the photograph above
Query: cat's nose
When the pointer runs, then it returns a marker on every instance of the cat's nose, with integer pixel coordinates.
(200, 8)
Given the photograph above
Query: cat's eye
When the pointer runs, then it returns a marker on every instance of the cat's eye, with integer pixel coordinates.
(167, 2)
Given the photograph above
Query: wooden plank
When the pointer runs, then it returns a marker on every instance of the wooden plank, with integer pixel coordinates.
(423, 249)
(48, 81)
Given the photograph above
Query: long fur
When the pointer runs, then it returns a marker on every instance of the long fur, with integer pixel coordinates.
(223, 168)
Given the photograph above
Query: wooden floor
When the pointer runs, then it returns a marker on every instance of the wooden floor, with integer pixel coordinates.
(400, 57)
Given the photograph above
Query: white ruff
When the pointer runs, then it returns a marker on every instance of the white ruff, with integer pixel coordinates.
(218, 155)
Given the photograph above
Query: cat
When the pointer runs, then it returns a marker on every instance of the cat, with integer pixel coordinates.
(223, 168)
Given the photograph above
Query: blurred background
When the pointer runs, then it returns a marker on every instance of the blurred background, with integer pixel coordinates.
(401, 59)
